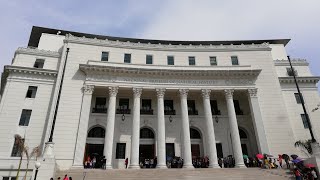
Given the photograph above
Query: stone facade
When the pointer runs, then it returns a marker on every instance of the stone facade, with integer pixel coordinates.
(266, 110)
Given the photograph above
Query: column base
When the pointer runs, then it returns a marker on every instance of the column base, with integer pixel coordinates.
(134, 167)
(188, 166)
(109, 167)
(214, 166)
(240, 166)
(161, 166)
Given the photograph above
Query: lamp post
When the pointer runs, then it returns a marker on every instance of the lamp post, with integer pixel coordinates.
(37, 166)
(302, 102)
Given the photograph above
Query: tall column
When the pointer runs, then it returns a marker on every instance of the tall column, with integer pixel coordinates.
(258, 122)
(108, 144)
(135, 138)
(83, 126)
(211, 141)
(236, 143)
(161, 146)
(186, 143)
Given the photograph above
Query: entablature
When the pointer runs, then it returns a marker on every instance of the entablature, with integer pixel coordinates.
(37, 52)
(295, 61)
(167, 47)
(305, 79)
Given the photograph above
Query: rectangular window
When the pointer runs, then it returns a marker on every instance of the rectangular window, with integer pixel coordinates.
(192, 61)
(237, 107)
(127, 58)
(25, 117)
(149, 59)
(213, 60)
(291, 73)
(31, 93)
(16, 151)
(168, 105)
(146, 104)
(214, 108)
(170, 60)
(234, 60)
(304, 121)
(299, 101)
(124, 103)
(5, 178)
(104, 56)
(39, 63)
(121, 151)
(100, 106)
(192, 107)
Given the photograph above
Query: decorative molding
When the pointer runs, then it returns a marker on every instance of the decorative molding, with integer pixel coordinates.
(160, 92)
(310, 79)
(30, 71)
(206, 93)
(253, 92)
(167, 47)
(229, 93)
(137, 92)
(37, 52)
(295, 61)
(88, 89)
(113, 91)
(183, 93)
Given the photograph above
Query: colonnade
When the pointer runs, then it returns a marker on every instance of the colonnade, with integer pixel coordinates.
(161, 146)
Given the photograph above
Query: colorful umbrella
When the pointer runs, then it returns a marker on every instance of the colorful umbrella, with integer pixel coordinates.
(245, 156)
(310, 166)
(285, 156)
(259, 156)
(296, 161)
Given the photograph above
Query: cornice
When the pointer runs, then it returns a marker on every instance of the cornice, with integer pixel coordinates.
(296, 61)
(27, 70)
(107, 68)
(37, 52)
(166, 47)
(310, 79)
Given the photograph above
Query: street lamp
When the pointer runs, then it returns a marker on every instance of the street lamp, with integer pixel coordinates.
(302, 102)
(37, 166)
(170, 118)
(123, 117)
(217, 119)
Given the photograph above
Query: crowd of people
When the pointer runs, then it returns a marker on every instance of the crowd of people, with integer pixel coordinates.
(65, 178)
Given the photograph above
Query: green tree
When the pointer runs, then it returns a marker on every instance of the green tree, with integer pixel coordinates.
(305, 145)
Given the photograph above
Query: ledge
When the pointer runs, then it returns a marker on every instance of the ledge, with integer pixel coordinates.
(27, 70)
(38, 52)
(309, 79)
(93, 67)
(297, 62)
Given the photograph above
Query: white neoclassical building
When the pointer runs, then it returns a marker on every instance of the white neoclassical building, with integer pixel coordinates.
(81, 94)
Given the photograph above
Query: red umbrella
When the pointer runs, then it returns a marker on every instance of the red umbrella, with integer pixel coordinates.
(259, 156)
(310, 166)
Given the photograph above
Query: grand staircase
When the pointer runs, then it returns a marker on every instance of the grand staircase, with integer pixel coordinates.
(171, 174)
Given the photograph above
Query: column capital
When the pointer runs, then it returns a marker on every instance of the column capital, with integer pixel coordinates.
(253, 92)
(160, 92)
(183, 93)
(206, 93)
(137, 91)
(113, 91)
(88, 89)
(229, 93)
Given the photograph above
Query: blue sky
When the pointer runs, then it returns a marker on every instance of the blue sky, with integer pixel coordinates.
(168, 19)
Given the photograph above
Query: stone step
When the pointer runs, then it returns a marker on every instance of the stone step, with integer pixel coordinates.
(190, 174)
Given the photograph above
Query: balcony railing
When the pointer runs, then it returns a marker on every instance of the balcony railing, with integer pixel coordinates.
(146, 111)
(99, 110)
(215, 112)
(169, 112)
(193, 112)
(123, 111)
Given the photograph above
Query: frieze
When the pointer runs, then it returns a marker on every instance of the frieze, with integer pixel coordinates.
(158, 81)
(38, 52)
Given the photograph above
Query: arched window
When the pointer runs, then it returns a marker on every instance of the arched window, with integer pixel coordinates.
(243, 135)
(194, 134)
(97, 132)
(146, 133)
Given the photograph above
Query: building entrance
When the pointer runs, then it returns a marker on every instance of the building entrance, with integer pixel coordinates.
(147, 149)
(94, 148)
